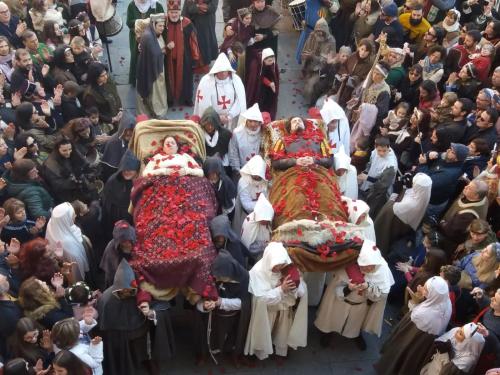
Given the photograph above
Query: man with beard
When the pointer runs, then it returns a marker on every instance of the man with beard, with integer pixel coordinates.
(29, 79)
(183, 54)
(388, 23)
(222, 90)
(414, 24)
(246, 140)
(469, 47)
(152, 85)
(120, 247)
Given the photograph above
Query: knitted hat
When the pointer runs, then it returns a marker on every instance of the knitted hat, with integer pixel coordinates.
(460, 150)
(390, 10)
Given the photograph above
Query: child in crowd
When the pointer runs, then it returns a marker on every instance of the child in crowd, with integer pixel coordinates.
(100, 130)
(269, 83)
(396, 121)
(70, 104)
(361, 154)
(442, 113)
(19, 226)
(66, 336)
(82, 299)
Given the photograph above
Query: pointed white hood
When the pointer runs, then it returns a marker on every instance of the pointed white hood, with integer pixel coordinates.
(263, 209)
(253, 113)
(381, 276)
(332, 111)
(222, 64)
(256, 166)
(341, 160)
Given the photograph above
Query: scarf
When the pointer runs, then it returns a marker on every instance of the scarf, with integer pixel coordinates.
(145, 6)
(429, 67)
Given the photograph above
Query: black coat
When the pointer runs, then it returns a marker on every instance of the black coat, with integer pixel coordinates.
(10, 313)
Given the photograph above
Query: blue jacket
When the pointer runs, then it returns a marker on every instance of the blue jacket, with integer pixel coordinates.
(444, 176)
(467, 266)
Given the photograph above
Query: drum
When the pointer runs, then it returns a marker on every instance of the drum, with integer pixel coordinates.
(110, 27)
(298, 11)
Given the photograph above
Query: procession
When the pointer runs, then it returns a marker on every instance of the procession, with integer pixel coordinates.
(249, 186)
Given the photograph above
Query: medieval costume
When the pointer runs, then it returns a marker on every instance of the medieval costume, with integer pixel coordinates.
(358, 215)
(138, 10)
(226, 96)
(320, 47)
(115, 147)
(245, 143)
(338, 126)
(347, 181)
(264, 90)
(116, 193)
(256, 228)
(217, 142)
(181, 59)
(397, 219)
(225, 191)
(113, 254)
(410, 343)
(229, 320)
(152, 85)
(458, 351)
(221, 227)
(265, 24)
(275, 321)
(348, 311)
(202, 14)
(310, 18)
(252, 184)
(123, 326)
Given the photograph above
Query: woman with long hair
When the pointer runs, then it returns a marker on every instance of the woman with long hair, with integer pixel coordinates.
(52, 34)
(39, 303)
(30, 342)
(66, 363)
(36, 259)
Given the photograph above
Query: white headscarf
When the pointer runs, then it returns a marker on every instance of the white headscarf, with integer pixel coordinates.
(145, 6)
(378, 165)
(348, 183)
(61, 228)
(356, 208)
(262, 278)
(253, 113)
(251, 229)
(256, 166)
(433, 315)
(412, 207)
(382, 276)
(468, 351)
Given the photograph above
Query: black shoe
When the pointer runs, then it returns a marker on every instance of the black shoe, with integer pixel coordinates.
(360, 342)
(325, 340)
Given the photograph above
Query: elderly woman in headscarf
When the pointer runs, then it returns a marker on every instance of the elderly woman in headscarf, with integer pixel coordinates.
(229, 314)
(256, 228)
(62, 229)
(410, 343)
(355, 299)
(395, 59)
(399, 218)
(225, 191)
(276, 286)
(457, 351)
(253, 182)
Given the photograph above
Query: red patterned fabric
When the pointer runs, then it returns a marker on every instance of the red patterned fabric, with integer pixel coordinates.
(174, 247)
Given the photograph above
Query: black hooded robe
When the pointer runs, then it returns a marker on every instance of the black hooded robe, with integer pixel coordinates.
(225, 190)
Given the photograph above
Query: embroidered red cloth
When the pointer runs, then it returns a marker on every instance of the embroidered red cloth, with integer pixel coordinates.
(174, 248)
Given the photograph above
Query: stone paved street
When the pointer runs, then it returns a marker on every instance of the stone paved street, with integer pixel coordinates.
(343, 357)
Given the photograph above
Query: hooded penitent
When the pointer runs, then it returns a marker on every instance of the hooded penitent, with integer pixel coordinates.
(116, 146)
(218, 141)
(370, 255)
(225, 190)
(252, 229)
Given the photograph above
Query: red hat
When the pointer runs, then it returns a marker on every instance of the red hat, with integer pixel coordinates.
(195, 118)
(143, 296)
(173, 5)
